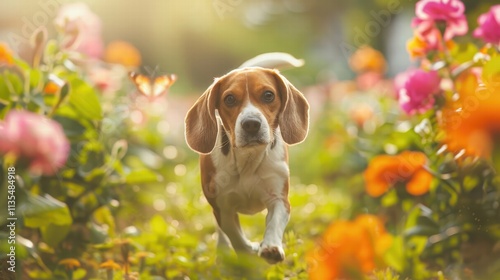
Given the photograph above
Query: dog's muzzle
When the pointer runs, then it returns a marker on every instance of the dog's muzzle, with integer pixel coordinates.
(253, 131)
(251, 126)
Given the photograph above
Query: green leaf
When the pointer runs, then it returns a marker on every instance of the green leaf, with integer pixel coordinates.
(51, 50)
(142, 176)
(390, 198)
(4, 90)
(35, 77)
(71, 127)
(427, 221)
(158, 225)
(421, 230)
(85, 100)
(98, 234)
(470, 182)
(79, 273)
(90, 157)
(464, 52)
(13, 83)
(41, 211)
(53, 234)
(65, 90)
(95, 176)
(491, 69)
(39, 100)
(103, 216)
(22, 64)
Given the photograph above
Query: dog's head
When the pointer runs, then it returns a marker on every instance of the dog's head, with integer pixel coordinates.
(252, 103)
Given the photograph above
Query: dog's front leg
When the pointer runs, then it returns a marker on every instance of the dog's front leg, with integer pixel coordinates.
(271, 248)
(230, 225)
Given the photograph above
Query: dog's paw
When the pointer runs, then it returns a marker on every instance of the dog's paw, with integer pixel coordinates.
(272, 254)
(254, 247)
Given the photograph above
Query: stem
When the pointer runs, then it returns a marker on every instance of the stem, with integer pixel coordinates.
(109, 274)
(440, 177)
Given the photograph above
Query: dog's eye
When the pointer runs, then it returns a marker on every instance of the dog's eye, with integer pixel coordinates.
(268, 97)
(230, 100)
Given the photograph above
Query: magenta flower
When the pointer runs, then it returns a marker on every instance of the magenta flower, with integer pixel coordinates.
(450, 12)
(34, 139)
(489, 26)
(82, 27)
(416, 89)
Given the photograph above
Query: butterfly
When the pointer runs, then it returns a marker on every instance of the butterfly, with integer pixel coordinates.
(152, 87)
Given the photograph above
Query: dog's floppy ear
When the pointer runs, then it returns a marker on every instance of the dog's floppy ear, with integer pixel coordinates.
(294, 116)
(201, 126)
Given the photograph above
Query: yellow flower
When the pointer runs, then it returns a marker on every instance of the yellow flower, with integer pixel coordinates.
(416, 47)
(70, 263)
(385, 171)
(366, 59)
(110, 265)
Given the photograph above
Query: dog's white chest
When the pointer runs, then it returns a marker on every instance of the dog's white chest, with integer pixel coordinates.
(246, 180)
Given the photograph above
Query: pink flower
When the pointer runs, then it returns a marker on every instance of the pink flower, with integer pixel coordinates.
(35, 139)
(430, 12)
(107, 78)
(489, 26)
(82, 28)
(415, 90)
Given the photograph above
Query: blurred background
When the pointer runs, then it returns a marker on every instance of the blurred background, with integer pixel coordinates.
(199, 40)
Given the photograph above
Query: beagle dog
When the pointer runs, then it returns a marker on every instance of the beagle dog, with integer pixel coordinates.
(242, 126)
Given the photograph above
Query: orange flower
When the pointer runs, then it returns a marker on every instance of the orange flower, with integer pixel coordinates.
(51, 88)
(70, 263)
(473, 121)
(110, 265)
(416, 47)
(6, 56)
(366, 59)
(385, 171)
(53, 85)
(349, 249)
(121, 52)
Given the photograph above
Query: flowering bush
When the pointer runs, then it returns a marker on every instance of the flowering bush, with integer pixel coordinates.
(432, 158)
(39, 140)
(67, 131)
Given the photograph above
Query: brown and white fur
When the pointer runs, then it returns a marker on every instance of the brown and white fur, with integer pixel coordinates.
(242, 126)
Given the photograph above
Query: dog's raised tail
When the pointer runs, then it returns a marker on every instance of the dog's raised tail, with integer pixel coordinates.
(274, 60)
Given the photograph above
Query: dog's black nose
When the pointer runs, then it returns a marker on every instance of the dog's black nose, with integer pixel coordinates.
(251, 126)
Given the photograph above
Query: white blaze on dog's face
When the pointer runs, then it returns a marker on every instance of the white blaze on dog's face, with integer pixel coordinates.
(249, 105)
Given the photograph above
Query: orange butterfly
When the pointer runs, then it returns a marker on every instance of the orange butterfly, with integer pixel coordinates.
(152, 88)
